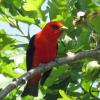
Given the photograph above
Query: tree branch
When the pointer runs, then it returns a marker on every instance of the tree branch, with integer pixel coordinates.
(45, 67)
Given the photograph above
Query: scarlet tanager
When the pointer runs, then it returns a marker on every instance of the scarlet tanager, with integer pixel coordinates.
(42, 49)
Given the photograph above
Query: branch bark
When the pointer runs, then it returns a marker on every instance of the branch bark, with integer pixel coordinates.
(95, 53)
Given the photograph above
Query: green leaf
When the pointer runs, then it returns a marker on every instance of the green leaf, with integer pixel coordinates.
(17, 3)
(13, 7)
(95, 22)
(32, 5)
(85, 5)
(56, 9)
(83, 38)
(58, 73)
(28, 98)
(96, 2)
(35, 7)
(4, 19)
(86, 96)
(6, 41)
(64, 96)
(53, 13)
(25, 19)
(9, 70)
(86, 84)
(5, 11)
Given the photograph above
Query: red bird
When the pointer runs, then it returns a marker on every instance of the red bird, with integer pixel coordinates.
(42, 49)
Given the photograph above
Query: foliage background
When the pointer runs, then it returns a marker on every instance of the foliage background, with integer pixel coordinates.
(75, 81)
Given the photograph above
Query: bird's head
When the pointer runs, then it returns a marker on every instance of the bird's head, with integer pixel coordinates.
(53, 30)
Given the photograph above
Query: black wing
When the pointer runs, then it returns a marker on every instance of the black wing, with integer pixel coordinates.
(30, 53)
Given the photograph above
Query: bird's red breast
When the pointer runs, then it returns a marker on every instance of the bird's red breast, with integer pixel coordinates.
(45, 51)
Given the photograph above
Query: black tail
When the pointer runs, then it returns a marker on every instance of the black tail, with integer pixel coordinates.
(44, 77)
(30, 89)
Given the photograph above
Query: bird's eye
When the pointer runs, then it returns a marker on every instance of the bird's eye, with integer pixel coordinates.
(55, 27)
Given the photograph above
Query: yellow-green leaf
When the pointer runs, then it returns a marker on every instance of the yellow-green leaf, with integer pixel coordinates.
(32, 5)
(64, 96)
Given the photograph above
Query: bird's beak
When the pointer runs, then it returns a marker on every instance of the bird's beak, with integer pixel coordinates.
(63, 28)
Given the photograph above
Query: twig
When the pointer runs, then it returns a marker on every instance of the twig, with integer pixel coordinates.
(43, 68)
(17, 26)
(28, 32)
